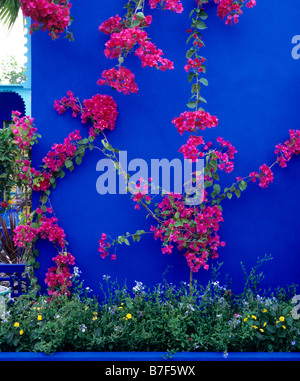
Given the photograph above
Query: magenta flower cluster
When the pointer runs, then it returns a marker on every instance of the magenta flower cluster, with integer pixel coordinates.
(53, 16)
(231, 10)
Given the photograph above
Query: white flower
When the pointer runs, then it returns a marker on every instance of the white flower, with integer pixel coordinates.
(82, 327)
(138, 287)
(76, 271)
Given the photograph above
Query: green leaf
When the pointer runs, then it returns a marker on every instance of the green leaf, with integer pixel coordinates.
(200, 25)
(68, 163)
(204, 81)
(135, 23)
(44, 199)
(178, 224)
(289, 320)
(192, 104)
(216, 177)
(242, 185)
(195, 88)
(208, 184)
(214, 164)
(191, 76)
(9, 338)
(140, 16)
(229, 195)
(271, 328)
(286, 310)
(203, 15)
(191, 13)
(78, 160)
(81, 150)
(217, 188)
(259, 336)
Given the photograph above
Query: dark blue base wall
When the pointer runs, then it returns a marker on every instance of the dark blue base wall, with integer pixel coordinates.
(253, 90)
(149, 356)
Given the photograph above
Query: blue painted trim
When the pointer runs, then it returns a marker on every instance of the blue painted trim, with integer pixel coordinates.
(149, 356)
(16, 268)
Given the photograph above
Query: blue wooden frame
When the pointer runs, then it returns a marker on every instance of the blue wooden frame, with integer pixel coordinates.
(13, 269)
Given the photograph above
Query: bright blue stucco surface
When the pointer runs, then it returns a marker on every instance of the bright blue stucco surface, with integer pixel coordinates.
(253, 90)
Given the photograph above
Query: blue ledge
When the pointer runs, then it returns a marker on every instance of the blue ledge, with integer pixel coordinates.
(149, 356)
(12, 268)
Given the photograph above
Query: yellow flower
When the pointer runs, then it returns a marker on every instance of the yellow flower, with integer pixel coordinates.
(21, 332)
(95, 318)
(129, 316)
(95, 313)
(254, 326)
(284, 327)
(265, 323)
(261, 330)
(245, 319)
(39, 317)
(281, 318)
(86, 308)
(264, 310)
(253, 317)
(16, 325)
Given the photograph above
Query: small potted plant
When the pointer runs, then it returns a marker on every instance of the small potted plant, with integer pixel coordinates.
(11, 256)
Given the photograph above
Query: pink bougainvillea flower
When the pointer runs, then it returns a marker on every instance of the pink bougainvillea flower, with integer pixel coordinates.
(121, 80)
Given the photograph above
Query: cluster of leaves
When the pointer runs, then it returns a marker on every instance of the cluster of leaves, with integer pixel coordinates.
(9, 10)
(198, 16)
(165, 318)
(11, 72)
(8, 156)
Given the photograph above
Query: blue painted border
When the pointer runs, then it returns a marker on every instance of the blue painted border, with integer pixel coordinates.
(149, 356)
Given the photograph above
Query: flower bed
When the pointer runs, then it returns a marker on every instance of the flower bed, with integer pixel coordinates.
(170, 319)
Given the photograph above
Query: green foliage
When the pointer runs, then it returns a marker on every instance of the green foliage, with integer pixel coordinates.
(9, 10)
(8, 156)
(10, 72)
(165, 318)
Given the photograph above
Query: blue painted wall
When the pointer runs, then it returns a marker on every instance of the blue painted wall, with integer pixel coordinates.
(253, 89)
